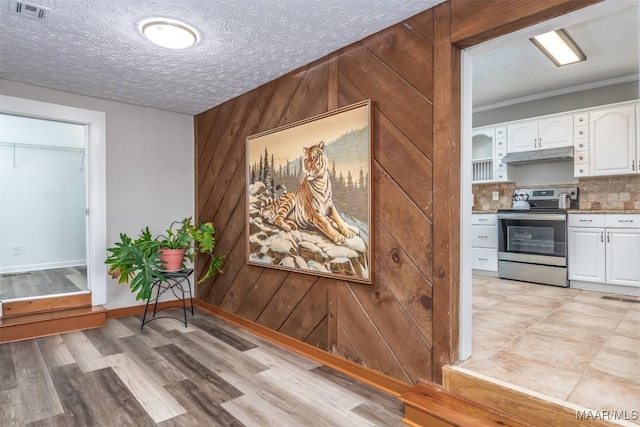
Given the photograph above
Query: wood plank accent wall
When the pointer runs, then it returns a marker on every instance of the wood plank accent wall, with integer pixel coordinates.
(406, 324)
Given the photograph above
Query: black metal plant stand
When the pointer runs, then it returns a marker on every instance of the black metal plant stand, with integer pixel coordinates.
(178, 282)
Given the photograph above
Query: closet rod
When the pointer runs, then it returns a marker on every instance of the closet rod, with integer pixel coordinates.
(45, 147)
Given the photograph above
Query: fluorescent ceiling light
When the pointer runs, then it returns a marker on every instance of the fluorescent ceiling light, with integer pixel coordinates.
(559, 47)
(168, 33)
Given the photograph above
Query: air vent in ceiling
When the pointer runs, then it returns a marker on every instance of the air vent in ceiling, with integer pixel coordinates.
(28, 10)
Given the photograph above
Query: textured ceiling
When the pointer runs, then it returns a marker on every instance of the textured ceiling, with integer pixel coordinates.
(519, 70)
(93, 47)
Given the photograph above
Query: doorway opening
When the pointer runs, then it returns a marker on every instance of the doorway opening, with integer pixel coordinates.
(43, 204)
(516, 354)
(70, 217)
(516, 109)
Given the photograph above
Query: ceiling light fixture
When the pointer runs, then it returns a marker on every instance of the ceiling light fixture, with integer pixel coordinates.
(168, 33)
(559, 47)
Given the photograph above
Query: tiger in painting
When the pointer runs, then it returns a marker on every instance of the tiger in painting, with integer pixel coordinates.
(311, 204)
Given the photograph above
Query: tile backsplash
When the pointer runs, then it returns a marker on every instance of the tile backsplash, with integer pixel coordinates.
(610, 192)
(483, 196)
(601, 193)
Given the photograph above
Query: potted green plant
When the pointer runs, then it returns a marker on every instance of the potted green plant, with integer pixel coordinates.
(143, 260)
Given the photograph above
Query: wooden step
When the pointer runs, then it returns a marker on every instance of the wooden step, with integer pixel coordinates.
(19, 308)
(429, 404)
(536, 408)
(41, 324)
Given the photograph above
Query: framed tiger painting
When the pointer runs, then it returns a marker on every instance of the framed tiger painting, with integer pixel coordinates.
(309, 195)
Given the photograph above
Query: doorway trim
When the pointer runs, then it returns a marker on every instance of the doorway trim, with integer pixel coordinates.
(466, 195)
(95, 131)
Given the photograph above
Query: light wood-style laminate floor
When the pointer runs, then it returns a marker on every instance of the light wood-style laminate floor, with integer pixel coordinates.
(210, 373)
(566, 343)
(43, 282)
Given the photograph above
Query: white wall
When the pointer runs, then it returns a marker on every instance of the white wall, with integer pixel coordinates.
(150, 167)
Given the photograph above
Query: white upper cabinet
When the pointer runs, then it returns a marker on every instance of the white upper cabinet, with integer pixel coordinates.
(555, 132)
(550, 132)
(581, 144)
(482, 154)
(612, 143)
(488, 148)
(605, 141)
(522, 136)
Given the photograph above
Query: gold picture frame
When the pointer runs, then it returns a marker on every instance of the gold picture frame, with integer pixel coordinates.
(309, 196)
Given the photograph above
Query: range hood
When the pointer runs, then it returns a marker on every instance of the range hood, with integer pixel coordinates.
(538, 156)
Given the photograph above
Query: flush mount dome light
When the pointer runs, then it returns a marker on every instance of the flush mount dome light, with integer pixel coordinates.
(168, 33)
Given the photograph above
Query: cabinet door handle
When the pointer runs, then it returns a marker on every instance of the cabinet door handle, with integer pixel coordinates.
(581, 145)
(540, 143)
(633, 165)
(602, 236)
(627, 221)
(608, 237)
(483, 237)
(483, 259)
(586, 220)
(581, 132)
(483, 219)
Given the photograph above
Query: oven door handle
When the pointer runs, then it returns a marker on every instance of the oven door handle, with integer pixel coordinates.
(529, 216)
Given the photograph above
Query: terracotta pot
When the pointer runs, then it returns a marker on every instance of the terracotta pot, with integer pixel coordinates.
(172, 258)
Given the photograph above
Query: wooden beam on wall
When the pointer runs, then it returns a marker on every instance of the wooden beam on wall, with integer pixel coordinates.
(476, 21)
(446, 197)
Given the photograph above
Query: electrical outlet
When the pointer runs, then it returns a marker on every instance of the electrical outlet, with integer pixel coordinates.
(496, 195)
(17, 250)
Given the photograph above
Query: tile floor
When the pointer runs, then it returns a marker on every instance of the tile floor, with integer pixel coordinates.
(565, 343)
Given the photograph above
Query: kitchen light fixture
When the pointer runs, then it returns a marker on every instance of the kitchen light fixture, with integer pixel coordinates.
(168, 33)
(559, 47)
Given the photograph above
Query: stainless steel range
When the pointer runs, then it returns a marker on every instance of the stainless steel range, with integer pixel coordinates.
(532, 240)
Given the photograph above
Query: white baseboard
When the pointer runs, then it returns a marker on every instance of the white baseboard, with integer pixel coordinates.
(485, 273)
(603, 287)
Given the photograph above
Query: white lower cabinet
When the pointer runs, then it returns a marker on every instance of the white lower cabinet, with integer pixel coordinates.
(484, 242)
(484, 259)
(586, 254)
(623, 256)
(604, 248)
